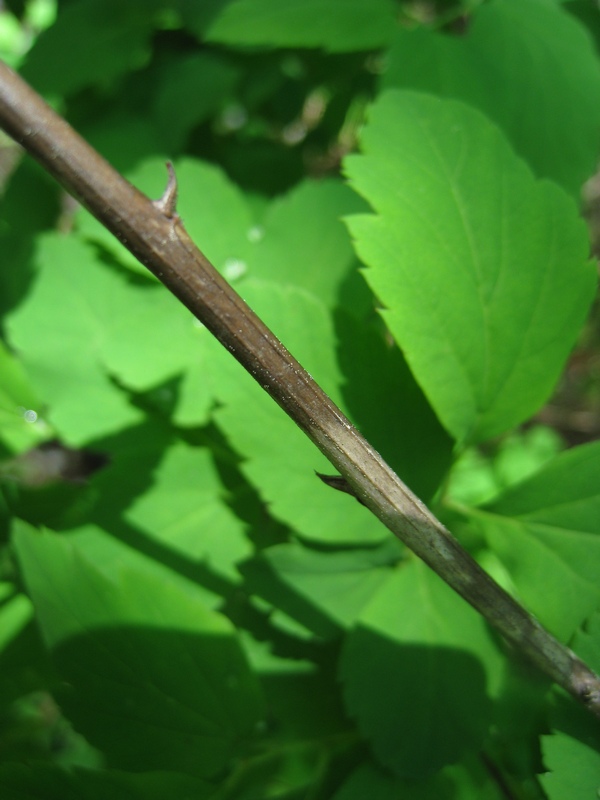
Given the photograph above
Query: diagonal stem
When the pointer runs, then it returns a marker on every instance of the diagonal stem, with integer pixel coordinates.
(154, 233)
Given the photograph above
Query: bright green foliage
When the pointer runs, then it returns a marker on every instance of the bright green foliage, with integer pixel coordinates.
(16, 399)
(469, 277)
(546, 531)
(186, 610)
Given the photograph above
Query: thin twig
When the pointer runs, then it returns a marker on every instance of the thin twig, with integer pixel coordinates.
(153, 232)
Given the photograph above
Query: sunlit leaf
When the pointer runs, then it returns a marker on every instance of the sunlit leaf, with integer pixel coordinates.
(481, 269)
(546, 532)
(185, 510)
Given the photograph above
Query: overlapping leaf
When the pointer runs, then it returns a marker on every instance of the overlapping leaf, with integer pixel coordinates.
(158, 681)
(323, 591)
(546, 532)
(481, 269)
(184, 510)
(18, 429)
(551, 112)
(335, 25)
(302, 241)
(58, 333)
(572, 751)
(281, 461)
(419, 669)
(471, 782)
(121, 34)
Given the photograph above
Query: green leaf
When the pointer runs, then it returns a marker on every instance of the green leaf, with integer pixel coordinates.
(50, 782)
(470, 782)
(15, 613)
(184, 510)
(19, 426)
(572, 752)
(574, 767)
(121, 33)
(279, 459)
(389, 408)
(546, 531)
(107, 327)
(298, 695)
(192, 88)
(481, 268)
(551, 118)
(418, 670)
(58, 332)
(302, 241)
(334, 25)
(154, 679)
(325, 592)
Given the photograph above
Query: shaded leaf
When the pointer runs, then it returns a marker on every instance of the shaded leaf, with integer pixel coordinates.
(470, 782)
(418, 670)
(388, 406)
(334, 25)
(191, 89)
(572, 751)
(154, 679)
(121, 33)
(551, 113)
(49, 782)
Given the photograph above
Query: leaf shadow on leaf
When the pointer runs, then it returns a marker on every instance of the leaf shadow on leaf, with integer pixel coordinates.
(241, 497)
(262, 578)
(421, 707)
(134, 455)
(574, 721)
(20, 222)
(159, 699)
(389, 408)
(573, 742)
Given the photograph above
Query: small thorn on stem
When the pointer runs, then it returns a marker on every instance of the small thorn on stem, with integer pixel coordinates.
(168, 202)
(339, 483)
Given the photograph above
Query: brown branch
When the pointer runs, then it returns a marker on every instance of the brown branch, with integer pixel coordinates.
(153, 232)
